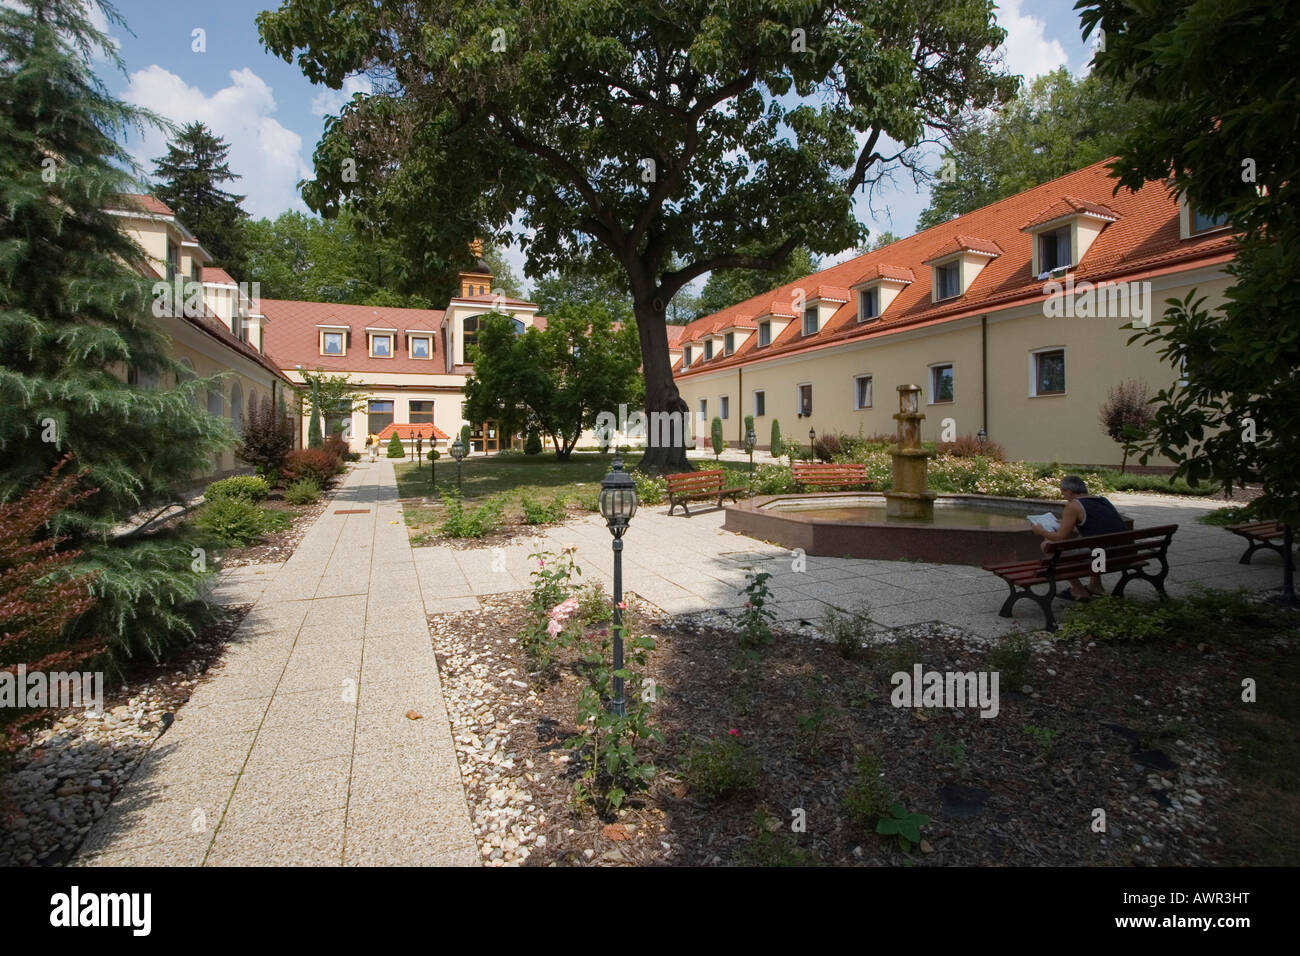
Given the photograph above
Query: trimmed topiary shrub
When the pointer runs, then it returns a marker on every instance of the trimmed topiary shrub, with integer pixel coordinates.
(778, 445)
(395, 447)
(716, 435)
(533, 443)
(234, 522)
(247, 487)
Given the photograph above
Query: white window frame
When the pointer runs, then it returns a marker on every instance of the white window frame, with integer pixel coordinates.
(938, 266)
(872, 295)
(428, 340)
(810, 311)
(757, 393)
(729, 343)
(343, 342)
(931, 400)
(798, 399)
(871, 391)
(686, 357)
(708, 349)
(704, 409)
(392, 344)
(1043, 267)
(724, 407)
(1191, 224)
(764, 333)
(1033, 371)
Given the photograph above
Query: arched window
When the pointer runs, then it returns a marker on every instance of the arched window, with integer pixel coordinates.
(237, 409)
(216, 404)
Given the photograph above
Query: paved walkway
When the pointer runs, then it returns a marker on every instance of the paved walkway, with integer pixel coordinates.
(298, 748)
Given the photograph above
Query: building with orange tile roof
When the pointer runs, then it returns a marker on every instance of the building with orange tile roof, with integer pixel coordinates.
(1014, 318)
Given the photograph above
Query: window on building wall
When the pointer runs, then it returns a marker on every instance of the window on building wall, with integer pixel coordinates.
(708, 349)
(760, 404)
(421, 413)
(704, 409)
(868, 304)
(764, 333)
(469, 328)
(173, 263)
(1054, 250)
(941, 384)
(729, 343)
(862, 391)
(379, 415)
(947, 280)
(810, 320)
(805, 400)
(724, 407)
(1203, 223)
(420, 347)
(381, 345)
(1048, 370)
(237, 410)
(338, 420)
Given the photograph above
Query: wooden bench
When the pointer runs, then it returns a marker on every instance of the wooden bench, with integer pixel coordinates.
(698, 486)
(829, 475)
(1261, 534)
(1128, 552)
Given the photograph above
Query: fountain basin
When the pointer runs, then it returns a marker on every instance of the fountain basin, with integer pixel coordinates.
(966, 529)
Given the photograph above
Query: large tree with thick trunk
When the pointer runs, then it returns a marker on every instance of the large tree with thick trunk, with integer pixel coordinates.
(657, 141)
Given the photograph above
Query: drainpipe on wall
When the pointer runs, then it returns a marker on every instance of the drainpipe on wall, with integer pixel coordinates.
(984, 371)
(740, 404)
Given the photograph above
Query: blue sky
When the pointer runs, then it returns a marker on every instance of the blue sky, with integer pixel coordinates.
(273, 116)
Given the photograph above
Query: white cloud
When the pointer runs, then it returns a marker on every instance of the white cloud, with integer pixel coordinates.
(265, 153)
(1027, 50)
(329, 102)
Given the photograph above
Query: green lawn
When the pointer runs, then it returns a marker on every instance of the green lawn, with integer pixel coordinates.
(482, 476)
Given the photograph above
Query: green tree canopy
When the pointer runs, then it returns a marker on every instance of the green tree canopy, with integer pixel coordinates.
(1224, 129)
(557, 380)
(1059, 124)
(560, 292)
(189, 178)
(726, 287)
(76, 320)
(665, 141)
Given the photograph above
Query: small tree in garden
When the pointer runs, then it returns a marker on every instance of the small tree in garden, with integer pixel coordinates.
(314, 437)
(718, 443)
(395, 449)
(533, 443)
(39, 594)
(434, 455)
(268, 438)
(1126, 416)
(464, 438)
(778, 446)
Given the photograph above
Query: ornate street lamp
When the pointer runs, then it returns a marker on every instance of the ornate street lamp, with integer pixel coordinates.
(750, 441)
(458, 452)
(618, 505)
(419, 451)
(812, 440)
(982, 436)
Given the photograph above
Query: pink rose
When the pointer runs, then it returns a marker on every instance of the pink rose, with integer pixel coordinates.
(734, 732)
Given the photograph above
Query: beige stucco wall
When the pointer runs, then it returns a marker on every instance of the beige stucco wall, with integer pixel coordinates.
(1057, 427)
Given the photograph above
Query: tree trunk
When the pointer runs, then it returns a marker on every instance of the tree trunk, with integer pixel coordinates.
(660, 391)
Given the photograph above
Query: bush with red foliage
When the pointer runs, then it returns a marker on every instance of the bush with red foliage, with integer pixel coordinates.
(968, 446)
(828, 447)
(38, 598)
(315, 464)
(334, 445)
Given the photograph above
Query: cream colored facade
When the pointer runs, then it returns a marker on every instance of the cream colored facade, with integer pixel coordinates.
(992, 359)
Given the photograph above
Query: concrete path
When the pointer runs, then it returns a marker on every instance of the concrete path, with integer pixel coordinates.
(690, 564)
(298, 749)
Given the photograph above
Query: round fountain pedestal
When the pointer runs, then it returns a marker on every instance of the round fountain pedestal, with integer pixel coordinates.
(910, 497)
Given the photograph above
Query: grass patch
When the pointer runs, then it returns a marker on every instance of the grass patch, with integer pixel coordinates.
(482, 477)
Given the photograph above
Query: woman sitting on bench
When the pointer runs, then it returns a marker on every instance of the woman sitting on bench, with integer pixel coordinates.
(1087, 516)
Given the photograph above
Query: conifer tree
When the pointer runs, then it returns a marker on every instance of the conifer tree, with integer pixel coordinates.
(74, 316)
(188, 180)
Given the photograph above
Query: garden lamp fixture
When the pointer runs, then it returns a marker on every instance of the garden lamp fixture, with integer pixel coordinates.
(618, 505)
(812, 440)
(982, 436)
(419, 451)
(750, 441)
(458, 452)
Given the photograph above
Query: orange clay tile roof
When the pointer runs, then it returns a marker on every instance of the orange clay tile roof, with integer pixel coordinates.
(217, 275)
(675, 333)
(1143, 240)
(293, 338)
(423, 430)
(1070, 206)
(883, 270)
(964, 243)
(138, 202)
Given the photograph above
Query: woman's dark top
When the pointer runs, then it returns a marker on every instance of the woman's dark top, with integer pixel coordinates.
(1099, 517)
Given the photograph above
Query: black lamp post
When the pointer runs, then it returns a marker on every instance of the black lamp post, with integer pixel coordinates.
(981, 436)
(618, 505)
(812, 440)
(419, 452)
(750, 441)
(458, 452)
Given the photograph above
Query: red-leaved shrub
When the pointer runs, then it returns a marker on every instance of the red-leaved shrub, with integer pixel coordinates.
(968, 446)
(315, 464)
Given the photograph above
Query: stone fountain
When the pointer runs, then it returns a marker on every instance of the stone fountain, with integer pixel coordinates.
(910, 496)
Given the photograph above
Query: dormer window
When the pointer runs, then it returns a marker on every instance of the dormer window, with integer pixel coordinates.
(420, 347)
(869, 304)
(1203, 223)
(381, 345)
(332, 341)
(729, 343)
(810, 320)
(764, 333)
(947, 280)
(686, 357)
(1054, 250)
(708, 349)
